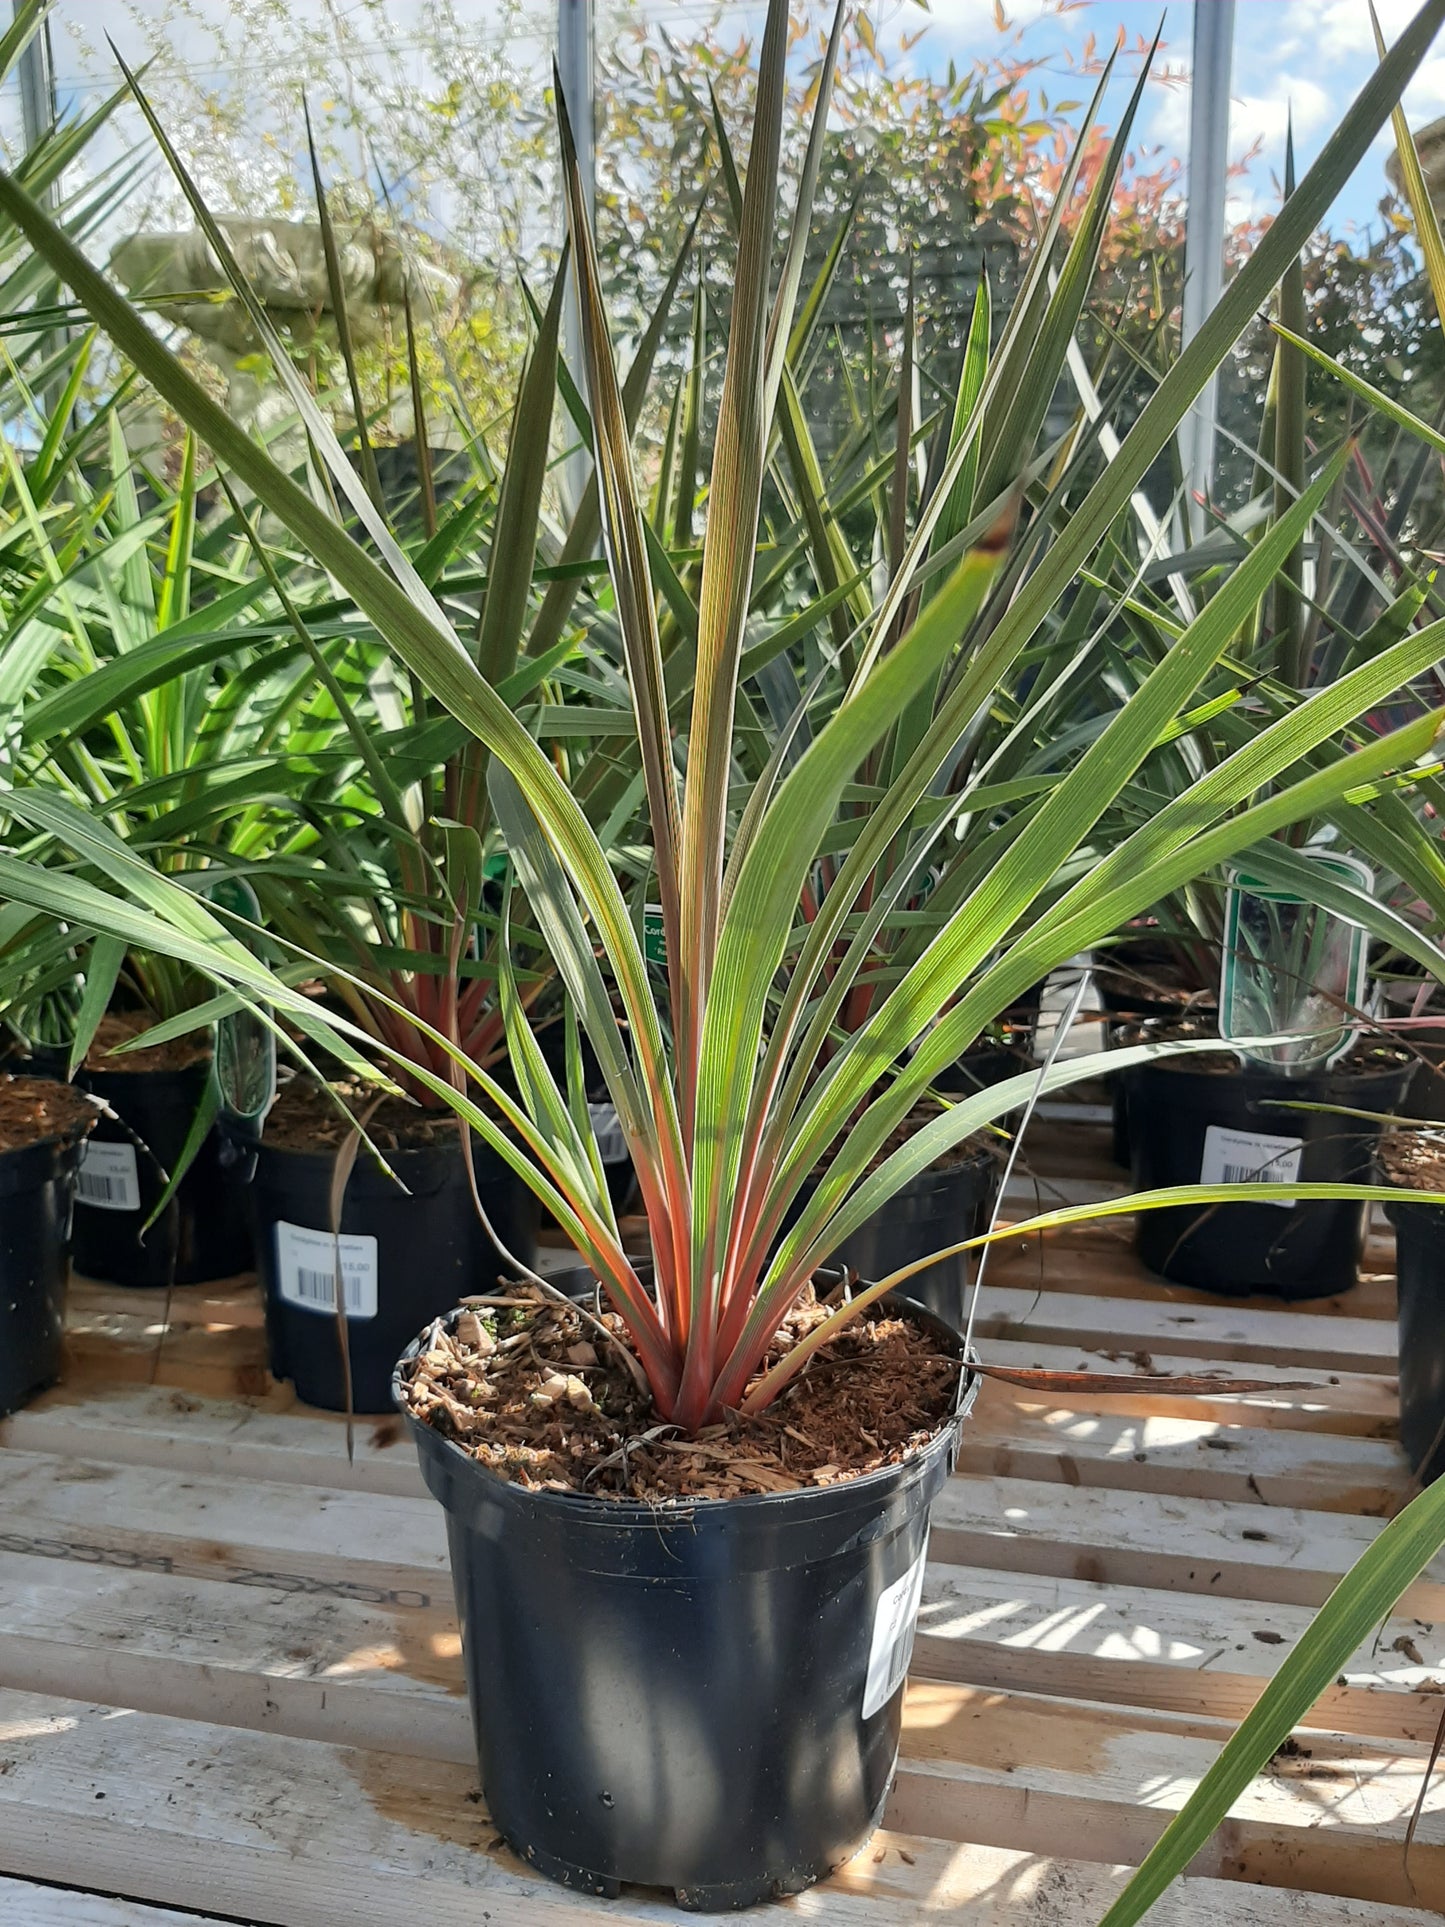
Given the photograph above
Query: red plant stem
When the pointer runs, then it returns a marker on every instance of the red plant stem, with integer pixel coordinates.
(694, 1402)
(744, 1360)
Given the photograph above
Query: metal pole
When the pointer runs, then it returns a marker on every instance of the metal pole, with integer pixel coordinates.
(37, 91)
(577, 65)
(1204, 231)
(37, 115)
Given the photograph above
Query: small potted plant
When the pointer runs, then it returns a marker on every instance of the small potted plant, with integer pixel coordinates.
(43, 1125)
(397, 1216)
(1291, 1099)
(1415, 1161)
(1295, 1110)
(133, 1225)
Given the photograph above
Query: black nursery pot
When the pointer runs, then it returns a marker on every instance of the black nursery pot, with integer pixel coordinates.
(203, 1231)
(406, 1257)
(939, 1207)
(705, 1697)
(21, 1058)
(1420, 1269)
(37, 1186)
(1185, 1124)
(981, 1068)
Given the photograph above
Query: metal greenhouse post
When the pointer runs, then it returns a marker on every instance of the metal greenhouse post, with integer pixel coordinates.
(1204, 231)
(36, 75)
(576, 64)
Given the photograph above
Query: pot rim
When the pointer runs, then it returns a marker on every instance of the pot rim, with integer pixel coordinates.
(1185, 1065)
(599, 1509)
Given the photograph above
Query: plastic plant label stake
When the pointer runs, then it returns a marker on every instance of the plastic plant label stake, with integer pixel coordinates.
(892, 1646)
(607, 1129)
(245, 1058)
(1247, 1157)
(306, 1270)
(106, 1177)
(1291, 965)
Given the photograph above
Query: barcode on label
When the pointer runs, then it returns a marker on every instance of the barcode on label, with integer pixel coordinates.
(306, 1270)
(106, 1177)
(1248, 1157)
(607, 1128)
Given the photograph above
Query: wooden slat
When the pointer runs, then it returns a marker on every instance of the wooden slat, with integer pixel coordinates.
(1358, 1403)
(303, 1835)
(352, 1544)
(1190, 1457)
(270, 1439)
(1099, 1259)
(1059, 1776)
(27, 1905)
(311, 1665)
(1311, 1341)
(1176, 1652)
(1259, 1552)
(221, 1354)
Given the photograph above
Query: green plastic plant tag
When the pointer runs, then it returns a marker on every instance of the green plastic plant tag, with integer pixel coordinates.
(654, 943)
(1291, 965)
(245, 1057)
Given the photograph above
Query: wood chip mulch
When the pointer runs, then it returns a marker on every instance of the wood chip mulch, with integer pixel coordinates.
(1414, 1158)
(38, 1110)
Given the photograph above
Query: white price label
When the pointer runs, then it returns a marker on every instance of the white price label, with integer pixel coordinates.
(607, 1128)
(106, 1177)
(306, 1270)
(1246, 1157)
(892, 1647)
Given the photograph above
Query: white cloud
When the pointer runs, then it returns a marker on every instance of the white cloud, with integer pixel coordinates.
(1328, 31)
(1264, 116)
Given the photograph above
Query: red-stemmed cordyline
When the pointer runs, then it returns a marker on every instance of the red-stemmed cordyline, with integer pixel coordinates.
(728, 1120)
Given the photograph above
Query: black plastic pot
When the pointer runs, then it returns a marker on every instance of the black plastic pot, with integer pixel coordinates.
(407, 1257)
(1178, 1113)
(20, 1058)
(981, 1068)
(1119, 1145)
(1425, 1098)
(704, 1697)
(37, 1186)
(938, 1208)
(202, 1233)
(617, 1167)
(1420, 1269)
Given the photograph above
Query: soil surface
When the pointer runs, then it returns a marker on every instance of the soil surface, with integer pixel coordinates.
(117, 1027)
(37, 1110)
(1414, 1158)
(304, 1118)
(539, 1398)
(1150, 976)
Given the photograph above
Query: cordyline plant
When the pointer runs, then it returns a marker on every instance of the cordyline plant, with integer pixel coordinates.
(727, 1124)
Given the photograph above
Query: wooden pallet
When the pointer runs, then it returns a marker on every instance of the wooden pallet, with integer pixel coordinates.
(230, 1678)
